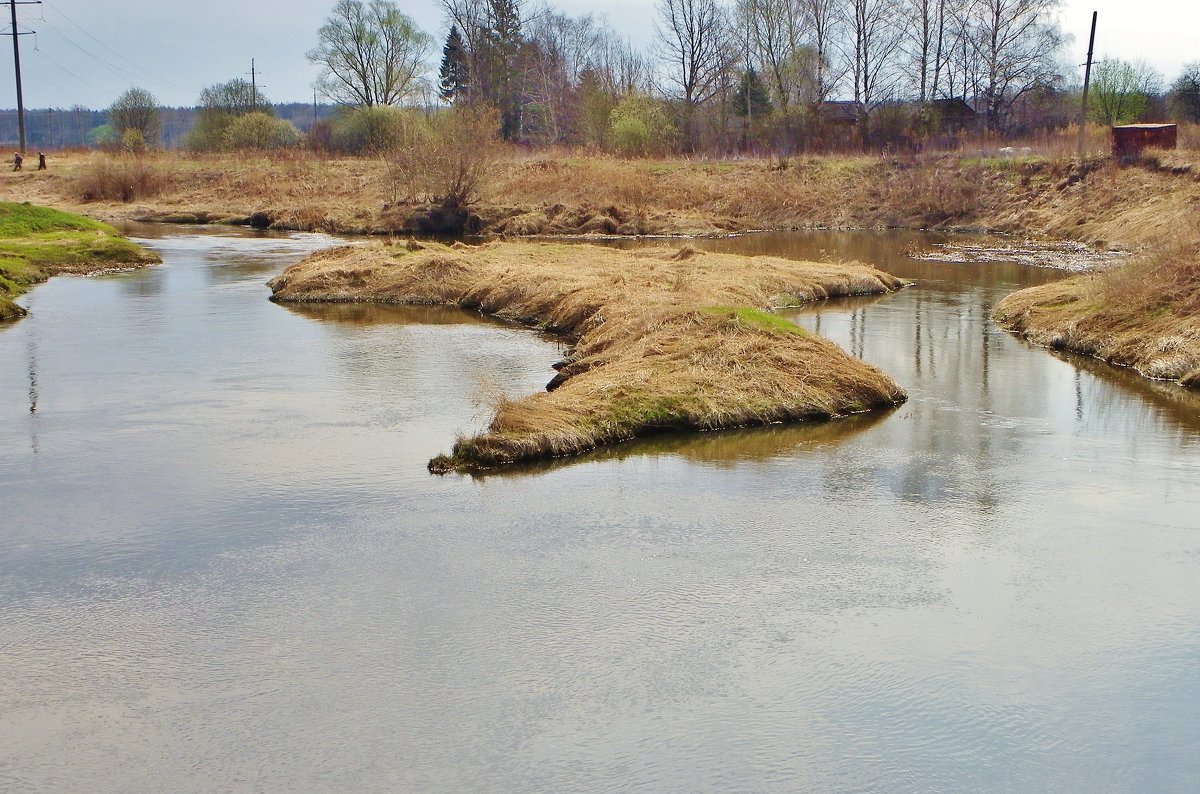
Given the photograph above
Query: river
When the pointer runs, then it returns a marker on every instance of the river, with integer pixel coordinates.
(223, 565)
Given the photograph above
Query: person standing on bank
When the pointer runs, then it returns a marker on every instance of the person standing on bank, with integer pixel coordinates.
(17, 160)
(41, 161)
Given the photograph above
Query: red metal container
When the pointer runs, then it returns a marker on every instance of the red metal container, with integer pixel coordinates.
(1128, 140)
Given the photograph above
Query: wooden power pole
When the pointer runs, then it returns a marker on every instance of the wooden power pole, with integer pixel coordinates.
(12, 5)
(1087, 78)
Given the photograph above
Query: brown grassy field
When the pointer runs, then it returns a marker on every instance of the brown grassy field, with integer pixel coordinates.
(660, 340)
(1144, 315)
(1038, 194)
(562, 193)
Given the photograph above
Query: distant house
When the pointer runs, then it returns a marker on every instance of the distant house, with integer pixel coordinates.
(838, 114)
(953, 115)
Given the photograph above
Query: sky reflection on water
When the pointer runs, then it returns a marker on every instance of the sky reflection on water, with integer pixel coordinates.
(223, 564)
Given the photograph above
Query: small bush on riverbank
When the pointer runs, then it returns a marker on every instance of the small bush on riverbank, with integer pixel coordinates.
(448, 163)
(118, 179)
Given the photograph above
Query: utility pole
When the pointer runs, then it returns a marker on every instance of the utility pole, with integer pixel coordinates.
(253, 87)
(1087, 77)
(12, 5)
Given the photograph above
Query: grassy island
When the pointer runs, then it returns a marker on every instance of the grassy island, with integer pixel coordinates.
(660, 339)
(38, 242)
(1144, 315)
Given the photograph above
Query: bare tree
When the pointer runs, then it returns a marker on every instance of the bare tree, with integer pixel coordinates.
(961, 69)
(1015, 43)
(775, 43)
(694, 40)
(1185, 94)
(924, 44)
(371, 53)
(873, 48)
(136, 110)
(824, 19)
(561, 48)
(624, 69)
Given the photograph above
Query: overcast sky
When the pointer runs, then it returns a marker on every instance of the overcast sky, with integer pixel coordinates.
(89, 51)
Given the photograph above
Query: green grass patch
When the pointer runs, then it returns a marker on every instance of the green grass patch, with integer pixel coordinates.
(24, 219)
(39, 242)
(755, 318)
(1002, 163)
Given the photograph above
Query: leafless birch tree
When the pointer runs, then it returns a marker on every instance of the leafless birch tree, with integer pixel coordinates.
(693, 38)
(1015, 43)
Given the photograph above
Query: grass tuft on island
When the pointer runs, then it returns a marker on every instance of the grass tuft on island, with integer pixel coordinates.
(38, 242)
(1144, 315)
(661, 339)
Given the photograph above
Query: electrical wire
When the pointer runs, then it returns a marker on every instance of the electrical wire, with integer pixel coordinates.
(67, 92)
(124, 74)
(84, 31)
(64, 69)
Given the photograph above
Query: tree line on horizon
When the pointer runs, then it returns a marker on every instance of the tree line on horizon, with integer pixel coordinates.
(777, 76)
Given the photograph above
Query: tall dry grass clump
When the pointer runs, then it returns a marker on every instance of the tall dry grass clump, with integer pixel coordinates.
(661, 339)
(123, 179)
(1144, 315)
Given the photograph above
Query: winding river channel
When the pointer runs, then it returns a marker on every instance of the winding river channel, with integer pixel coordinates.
(223, 565)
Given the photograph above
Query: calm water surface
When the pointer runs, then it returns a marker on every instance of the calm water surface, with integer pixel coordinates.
(223, 565)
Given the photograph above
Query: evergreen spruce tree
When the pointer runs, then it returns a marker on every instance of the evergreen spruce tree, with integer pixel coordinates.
(750, 98)
(454, 72)
(505, 41)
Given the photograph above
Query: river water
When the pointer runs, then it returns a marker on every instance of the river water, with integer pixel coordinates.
(223, 565)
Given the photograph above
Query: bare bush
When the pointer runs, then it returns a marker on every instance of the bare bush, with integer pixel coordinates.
(118, 179)
(449, 162)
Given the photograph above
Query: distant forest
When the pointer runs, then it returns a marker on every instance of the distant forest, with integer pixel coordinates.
(65, 128)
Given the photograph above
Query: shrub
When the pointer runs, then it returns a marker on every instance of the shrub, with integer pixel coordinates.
(449, 161)
(103, 137)
(133, 141)
(220, 106)
(374, 130)
(640, 127)
(208, 133)
(630, 137)
(120, 179)
(260, 131)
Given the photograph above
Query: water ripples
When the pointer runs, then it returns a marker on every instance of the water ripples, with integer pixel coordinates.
(223, 563)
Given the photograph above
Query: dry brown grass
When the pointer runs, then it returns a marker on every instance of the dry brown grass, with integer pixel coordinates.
(1144, 315)
(1036, 194)
(659, 339)
(119, 179)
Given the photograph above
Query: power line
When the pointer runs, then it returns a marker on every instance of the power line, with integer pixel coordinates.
(124, 74)
(122, 57)
(62, 68)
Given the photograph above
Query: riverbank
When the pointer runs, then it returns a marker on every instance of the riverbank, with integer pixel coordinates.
(1139, 206)
(38, 242)
(1144, 315)
(660, 340)
(531, 193)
